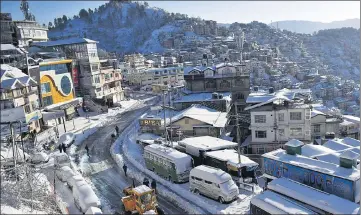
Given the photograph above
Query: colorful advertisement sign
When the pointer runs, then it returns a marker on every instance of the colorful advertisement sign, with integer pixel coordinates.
(33, 116)
(75, 75)
(321, 181)
(150, 122)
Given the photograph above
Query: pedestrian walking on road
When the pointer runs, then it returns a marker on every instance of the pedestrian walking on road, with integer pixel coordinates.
(64, 147)
(153, 184)
(87, 150)
(125, 170)
(146, 182)
(60, 148)
(117, 129)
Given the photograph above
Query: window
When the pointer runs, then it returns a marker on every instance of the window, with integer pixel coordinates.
(281, 132)
(94, 67)
(260, 150)
(261, 134)
(207, 182)
(281, 117)
(260, 118)
(27, 108)
(45, 88)
(47, 100)
(317, 128)
(186, 121)
(198, 179)
(295, 131)
(295, 116)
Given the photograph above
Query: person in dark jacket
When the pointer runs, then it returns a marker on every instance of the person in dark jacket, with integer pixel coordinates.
(146, 182)
(125, 170)
(153, 184)
(60, 148)
(87, 150)
(117, 129)
(64, 147)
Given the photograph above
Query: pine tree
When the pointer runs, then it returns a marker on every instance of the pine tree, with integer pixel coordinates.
(65, 19)
(56, 23)
(83, 14)
(50, 24)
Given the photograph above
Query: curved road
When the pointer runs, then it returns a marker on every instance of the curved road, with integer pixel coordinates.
(101, 169)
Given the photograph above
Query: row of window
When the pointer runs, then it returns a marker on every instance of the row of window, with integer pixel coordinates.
(281, 117)
(295, 132)
(157, 159)
(205, 181)
(59, 68)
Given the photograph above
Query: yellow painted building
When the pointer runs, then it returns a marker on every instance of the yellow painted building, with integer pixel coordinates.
(56, 82)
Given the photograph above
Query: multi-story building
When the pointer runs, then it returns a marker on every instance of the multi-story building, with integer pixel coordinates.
(321, 124)
(19, 99)
(275, 119)
(15, 57)
(92, 74)
(7, 28)
(168, 75)
(29, 31)
(136, 61)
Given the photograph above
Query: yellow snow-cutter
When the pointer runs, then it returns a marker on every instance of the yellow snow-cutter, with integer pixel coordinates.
(140, 200)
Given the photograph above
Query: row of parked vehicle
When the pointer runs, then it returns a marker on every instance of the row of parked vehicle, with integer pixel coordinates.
(84, 197)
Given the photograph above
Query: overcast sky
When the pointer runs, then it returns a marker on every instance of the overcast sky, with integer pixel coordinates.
(220, 11)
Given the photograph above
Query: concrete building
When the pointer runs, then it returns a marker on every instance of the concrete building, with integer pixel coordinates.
(136, 61)
(7, 28)
(92, 74)
(218, 101)
(275, 119)
(27, 32)
(19, 99)
(321, 124)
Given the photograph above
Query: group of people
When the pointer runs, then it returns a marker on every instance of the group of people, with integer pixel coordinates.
(62, 148)
(153, 184)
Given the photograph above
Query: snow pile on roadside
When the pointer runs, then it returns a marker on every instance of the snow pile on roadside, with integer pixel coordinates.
(137, 174)
(22, 210)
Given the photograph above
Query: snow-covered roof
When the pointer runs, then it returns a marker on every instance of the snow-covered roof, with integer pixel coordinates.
(311, 151)
(197, 68)
(5, 47)
(351, 142)
(211, 173)
(315, 165)
(204, 114)
(353, 119)
(142, 189)
(316, 112)
(275, 203)
(64, 42)
(311, 196)
(206, 143)
(231, 156)
(12, 72)
(349, 155)
(336, 144)
(147, 136)
(260, 97)
(201, 97)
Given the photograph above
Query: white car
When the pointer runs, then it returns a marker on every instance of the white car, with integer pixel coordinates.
(94, 210)
(64, 173)
(71, 181)
(39, 157)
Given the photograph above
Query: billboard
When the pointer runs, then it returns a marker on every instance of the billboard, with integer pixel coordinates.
(33, 116)
(154, 123)
(330, 184)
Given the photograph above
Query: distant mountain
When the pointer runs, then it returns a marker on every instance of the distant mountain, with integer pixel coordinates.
(308, 27)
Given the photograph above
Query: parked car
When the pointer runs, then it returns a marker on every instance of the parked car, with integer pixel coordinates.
(39, 157)
(61, 160)
(214, 183)
(64, 173)
(71, 181)
(84, 196)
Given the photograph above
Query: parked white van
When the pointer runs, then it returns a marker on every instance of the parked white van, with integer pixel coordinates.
(214, 183)
(84, 196)
(64, 173)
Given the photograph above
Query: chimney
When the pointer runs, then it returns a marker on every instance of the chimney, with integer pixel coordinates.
(348, 159)
(294, 147)
(271, 90)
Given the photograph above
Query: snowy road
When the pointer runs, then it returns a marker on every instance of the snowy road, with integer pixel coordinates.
(102, 171)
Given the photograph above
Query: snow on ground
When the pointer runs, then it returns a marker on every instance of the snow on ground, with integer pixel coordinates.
(132, 152)
(22, 210)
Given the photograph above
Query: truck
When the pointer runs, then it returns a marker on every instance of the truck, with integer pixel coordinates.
(140, 200)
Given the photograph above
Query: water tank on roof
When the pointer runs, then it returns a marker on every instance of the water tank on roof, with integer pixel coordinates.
(271, 90)
(330, 135)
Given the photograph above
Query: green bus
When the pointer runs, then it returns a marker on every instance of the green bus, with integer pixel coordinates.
(168, 163)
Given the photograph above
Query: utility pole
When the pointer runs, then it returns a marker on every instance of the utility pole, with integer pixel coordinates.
(14, 148)
(170, 119)
(164, 116)
(238, 141)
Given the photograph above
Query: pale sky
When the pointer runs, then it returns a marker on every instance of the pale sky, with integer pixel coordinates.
(220, 11)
